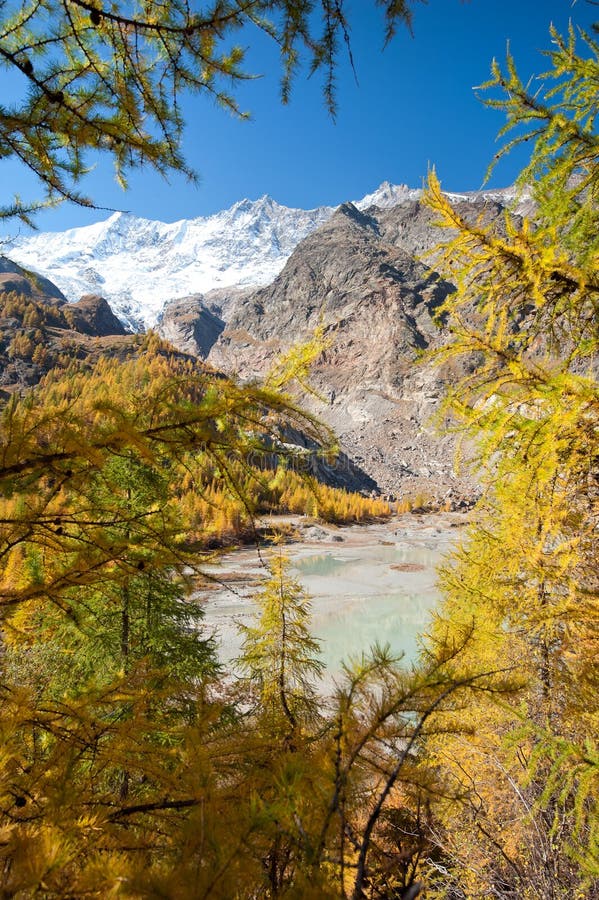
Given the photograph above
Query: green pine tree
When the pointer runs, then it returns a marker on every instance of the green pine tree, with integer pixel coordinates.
(279, 656)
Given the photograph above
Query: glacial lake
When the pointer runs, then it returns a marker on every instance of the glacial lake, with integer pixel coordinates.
(368, 583)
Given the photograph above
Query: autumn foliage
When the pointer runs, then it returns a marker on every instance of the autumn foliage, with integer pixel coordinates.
(132, 765)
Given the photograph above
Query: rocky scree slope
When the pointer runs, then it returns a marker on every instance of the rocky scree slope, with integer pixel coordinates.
(359, 277)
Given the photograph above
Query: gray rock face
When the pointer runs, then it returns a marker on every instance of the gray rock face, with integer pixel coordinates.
(224, 301)
(190, 325)
(359, 277)
(92, 315)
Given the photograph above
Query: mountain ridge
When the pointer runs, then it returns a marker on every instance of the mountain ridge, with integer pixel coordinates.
(360, 278)
(359, 275)
(139, 265)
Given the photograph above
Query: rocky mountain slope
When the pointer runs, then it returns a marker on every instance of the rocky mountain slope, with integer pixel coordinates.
(190, 325)
(30, 284)
(359, 277)
(40, 330)
(358, 271)
(140, 265)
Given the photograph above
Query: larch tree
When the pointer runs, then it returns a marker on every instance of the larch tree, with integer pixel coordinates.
(139, 611)
(106, 679)
(281, 668)
(525, 317)
(280, 658)
(106, 77)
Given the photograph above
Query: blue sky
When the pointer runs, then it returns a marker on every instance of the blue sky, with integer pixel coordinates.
(414, 106)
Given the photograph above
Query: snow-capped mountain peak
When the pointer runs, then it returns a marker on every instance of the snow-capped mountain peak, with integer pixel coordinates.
(139, 265)
(388, 195)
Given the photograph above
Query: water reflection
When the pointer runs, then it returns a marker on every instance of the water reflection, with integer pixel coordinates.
(323, 564)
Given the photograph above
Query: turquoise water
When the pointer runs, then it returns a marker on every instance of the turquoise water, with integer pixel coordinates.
(362, 600)
(358, 596)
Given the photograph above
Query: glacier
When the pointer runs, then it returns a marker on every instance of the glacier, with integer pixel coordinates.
(139, 265)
